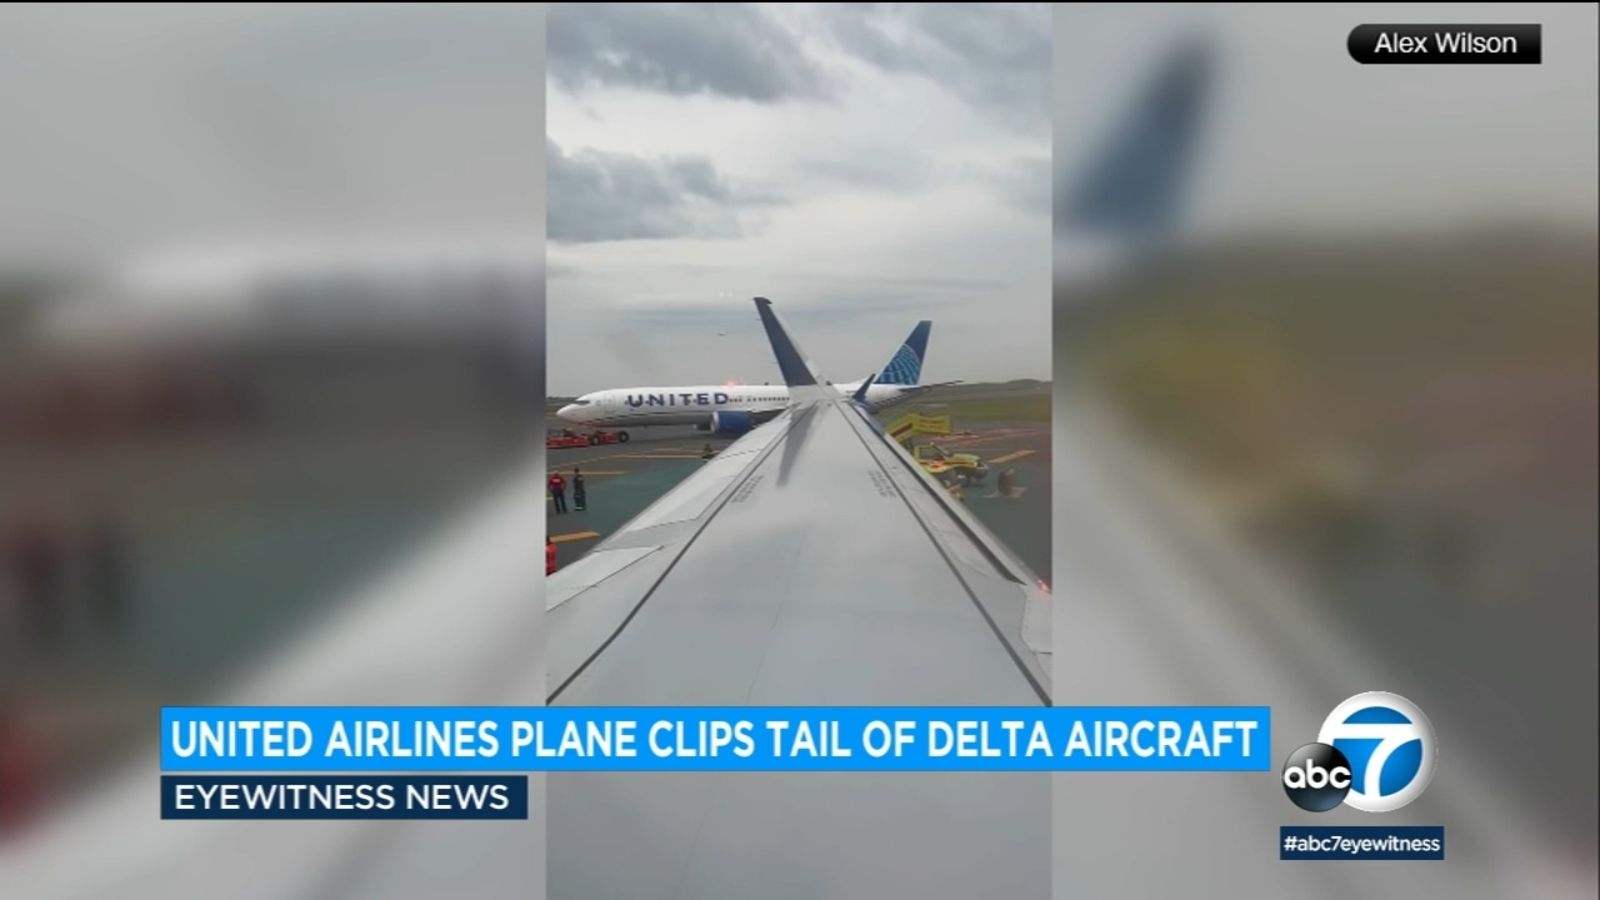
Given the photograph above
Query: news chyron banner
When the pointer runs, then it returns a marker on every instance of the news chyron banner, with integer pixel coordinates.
(462, 762)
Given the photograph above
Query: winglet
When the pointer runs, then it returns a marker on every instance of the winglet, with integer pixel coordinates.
(860, 396)
(797, 372)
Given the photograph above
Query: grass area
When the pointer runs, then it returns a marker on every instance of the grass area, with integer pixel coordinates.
(1024, 400)
(1347, 396)
(1408, 424)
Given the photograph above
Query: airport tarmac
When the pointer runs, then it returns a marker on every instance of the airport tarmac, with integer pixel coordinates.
(622, 479)
(1022, 520)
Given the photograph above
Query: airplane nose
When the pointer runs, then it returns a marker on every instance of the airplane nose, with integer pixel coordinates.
(568, 412)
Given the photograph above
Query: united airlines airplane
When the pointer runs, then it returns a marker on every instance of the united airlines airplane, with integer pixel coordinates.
(737, 408)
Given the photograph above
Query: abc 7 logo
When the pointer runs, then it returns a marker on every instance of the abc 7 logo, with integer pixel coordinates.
(1316, 777)
(1375, 753)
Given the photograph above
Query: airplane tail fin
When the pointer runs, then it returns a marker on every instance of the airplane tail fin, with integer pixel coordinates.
(1134, 186)
(905, 368)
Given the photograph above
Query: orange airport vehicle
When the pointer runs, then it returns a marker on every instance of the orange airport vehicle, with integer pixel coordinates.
(566, 437)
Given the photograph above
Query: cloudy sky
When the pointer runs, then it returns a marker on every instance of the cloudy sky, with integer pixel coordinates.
(864, 167)
(142, 129)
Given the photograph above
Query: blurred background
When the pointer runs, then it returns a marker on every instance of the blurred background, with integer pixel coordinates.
(1325, 337)
(271, 298)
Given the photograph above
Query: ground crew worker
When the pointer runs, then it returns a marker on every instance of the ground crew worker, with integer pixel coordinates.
(580, 496)
(558, 491)
(549, 555)
(21, 765)
(35, 558)
(105, 551)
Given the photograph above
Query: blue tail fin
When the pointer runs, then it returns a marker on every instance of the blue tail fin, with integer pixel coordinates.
(1135, 185)
(791, 362)
(804, 385)
(906, 366)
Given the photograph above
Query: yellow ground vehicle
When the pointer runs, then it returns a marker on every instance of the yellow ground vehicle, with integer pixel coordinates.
(962, 468)
(908, 426)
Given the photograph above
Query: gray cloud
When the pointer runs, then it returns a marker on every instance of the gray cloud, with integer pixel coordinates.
(995, 56)
(916, 189)
(599, 196)
(870, 168)
(726, 50)
(1025, 184)
(132, 130)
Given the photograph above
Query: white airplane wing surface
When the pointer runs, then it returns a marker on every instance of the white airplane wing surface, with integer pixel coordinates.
(813, 562)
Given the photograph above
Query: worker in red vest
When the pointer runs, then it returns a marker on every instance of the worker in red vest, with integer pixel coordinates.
(21, 764)
(558, 491)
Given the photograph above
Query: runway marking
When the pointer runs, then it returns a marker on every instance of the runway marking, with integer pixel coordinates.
(589, 459)
(589, 472)
(1011, 456)
(574, 536)
(983, 438)
(653, 453)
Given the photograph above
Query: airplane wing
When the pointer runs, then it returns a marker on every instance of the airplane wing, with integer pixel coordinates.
(813, 562)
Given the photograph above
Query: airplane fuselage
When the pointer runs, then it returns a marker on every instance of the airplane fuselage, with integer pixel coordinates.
(694, 405)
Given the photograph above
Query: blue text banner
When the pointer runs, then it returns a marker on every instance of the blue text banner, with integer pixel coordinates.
(696, 738)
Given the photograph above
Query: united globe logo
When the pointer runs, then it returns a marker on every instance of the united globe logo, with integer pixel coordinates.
(1389, 746)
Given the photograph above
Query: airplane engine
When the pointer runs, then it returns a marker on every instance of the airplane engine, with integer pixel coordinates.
(723, 422)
